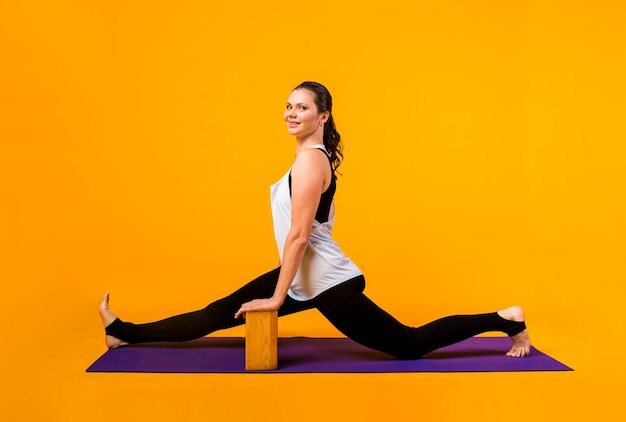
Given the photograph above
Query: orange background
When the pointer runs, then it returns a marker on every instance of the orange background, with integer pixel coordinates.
(485, 146)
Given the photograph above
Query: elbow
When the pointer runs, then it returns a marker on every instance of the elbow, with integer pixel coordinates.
(299, 239)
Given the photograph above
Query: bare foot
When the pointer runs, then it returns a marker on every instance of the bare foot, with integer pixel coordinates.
(108, 317)
(521, 341)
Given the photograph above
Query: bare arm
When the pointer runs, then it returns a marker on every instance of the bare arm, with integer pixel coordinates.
(310, 175)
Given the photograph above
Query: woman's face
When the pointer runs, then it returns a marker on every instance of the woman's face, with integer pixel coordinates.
(301, 114)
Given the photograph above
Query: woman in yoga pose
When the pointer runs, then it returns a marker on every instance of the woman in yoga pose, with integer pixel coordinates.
(314, 272)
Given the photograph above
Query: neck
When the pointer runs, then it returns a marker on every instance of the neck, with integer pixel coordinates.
(308, 144)
(308, 141)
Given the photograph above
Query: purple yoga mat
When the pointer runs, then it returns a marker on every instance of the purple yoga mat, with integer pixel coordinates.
(321, 355)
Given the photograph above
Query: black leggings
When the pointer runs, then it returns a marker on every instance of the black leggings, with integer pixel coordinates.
(344, 305)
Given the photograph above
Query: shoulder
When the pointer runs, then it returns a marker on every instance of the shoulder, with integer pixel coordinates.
(311, 158)
(311, 167)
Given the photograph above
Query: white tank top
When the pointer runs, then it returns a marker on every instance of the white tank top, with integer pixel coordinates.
(324, 265)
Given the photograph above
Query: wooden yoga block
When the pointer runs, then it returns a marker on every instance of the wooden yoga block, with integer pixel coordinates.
(261, 340)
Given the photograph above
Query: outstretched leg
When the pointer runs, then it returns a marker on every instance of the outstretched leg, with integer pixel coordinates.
(189, 326)
(360, 319)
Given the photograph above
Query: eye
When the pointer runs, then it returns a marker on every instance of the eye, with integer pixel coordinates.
(289, 107)
(302, 108)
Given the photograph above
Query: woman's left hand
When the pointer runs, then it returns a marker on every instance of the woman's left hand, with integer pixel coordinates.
(258, 305)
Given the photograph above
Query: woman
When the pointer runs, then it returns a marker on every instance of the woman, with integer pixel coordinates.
(314, 273)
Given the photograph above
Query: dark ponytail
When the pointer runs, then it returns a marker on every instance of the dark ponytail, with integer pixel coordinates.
(324, 103)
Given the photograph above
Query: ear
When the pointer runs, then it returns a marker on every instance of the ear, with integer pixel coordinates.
(325, 117)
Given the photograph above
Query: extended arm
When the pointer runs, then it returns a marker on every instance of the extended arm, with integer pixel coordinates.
(310, 175)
